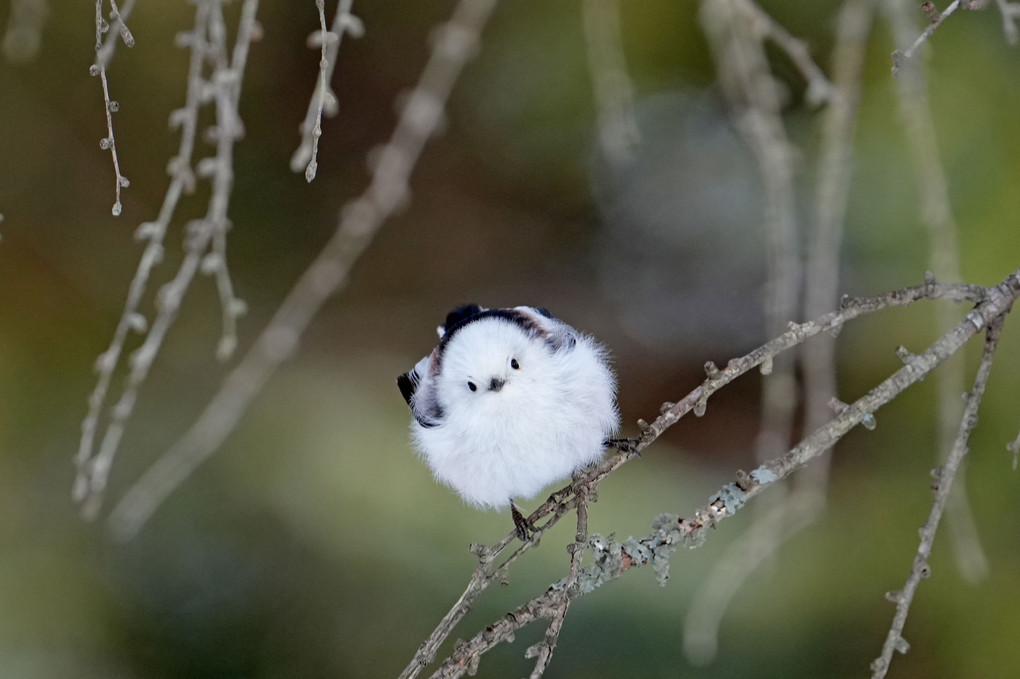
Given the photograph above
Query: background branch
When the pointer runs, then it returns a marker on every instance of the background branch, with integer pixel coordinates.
(387, 193)
(1010, 13)
(103, 54)
(205, 240)
(23, 35)
(324, 99)
(619, 135)
(944, 261)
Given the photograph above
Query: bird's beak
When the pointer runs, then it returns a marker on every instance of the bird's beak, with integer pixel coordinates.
(495, 384)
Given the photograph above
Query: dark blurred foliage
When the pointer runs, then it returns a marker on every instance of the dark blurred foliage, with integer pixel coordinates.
(315, 544)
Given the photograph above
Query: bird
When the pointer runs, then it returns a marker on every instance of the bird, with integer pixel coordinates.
(510, 401)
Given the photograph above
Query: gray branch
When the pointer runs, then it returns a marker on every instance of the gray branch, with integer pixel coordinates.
(360, 219)
(944, 478)
(205, 239)
(324, 99)
(612, 558)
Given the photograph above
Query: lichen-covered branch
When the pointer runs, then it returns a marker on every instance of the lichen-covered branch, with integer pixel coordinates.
(669, 531)
(716, 378)
(997, 301)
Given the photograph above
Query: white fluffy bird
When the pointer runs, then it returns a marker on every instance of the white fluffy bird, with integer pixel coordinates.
(509, 401)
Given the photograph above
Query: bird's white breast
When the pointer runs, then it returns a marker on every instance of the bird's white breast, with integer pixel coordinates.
(551, 417)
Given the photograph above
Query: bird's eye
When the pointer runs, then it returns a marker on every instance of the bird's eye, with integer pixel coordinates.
(514, 364)
(472, 386)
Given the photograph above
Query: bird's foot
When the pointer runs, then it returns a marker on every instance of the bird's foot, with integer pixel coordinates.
(524, 527)
(624, 445)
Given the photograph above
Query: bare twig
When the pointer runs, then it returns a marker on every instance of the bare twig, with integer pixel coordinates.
(671, 531)
(543, 650)
(900, 57)
(211, 249)
(108, 143)
(996, 302)
(466, 655)
(945, 476)
(558, 504)
(204, 240)
(323, 99)
(119, 20)
(937, 218)
(359, 221)
(819, 89)
(835, 163)
(91, 472)
(119, 34)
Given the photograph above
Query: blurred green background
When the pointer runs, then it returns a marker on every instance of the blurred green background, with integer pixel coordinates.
(315, 544)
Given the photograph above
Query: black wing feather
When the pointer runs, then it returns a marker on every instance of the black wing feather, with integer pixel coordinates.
(460, 315)
(408, 384)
